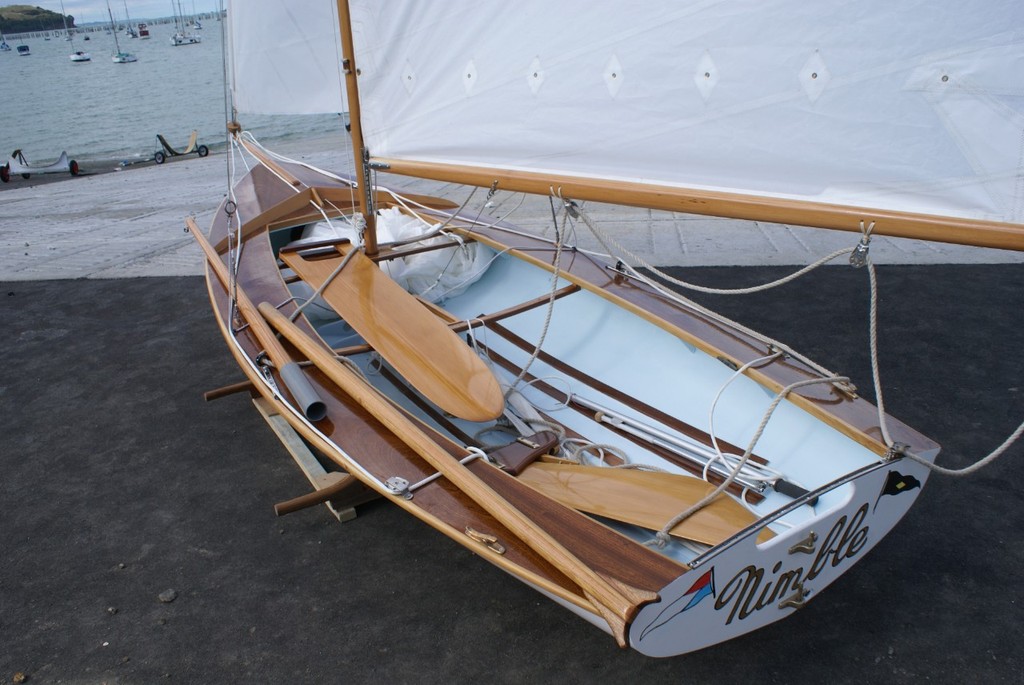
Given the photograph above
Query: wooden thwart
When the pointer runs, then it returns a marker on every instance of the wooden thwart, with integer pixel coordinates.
(643, 498)
(430, 357)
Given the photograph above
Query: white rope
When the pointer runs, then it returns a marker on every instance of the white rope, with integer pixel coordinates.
(981, 463)
(408, 203)
(576, 448)
(770, 342)
(662, 537)
(323, 286)
(759, 473)
(880, 403)
(555, 275)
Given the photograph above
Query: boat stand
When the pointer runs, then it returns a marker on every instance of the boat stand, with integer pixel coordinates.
(340, 492)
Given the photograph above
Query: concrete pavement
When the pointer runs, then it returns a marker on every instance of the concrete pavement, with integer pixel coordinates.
(128, 223)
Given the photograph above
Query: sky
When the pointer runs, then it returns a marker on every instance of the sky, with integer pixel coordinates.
(89, 11)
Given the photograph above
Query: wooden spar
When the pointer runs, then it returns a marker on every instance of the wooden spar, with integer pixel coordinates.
(615, 601)
(266, 161)
(973, 232)
(356, 126)
(311, 406)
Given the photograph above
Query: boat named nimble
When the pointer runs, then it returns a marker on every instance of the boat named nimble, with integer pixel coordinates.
(664, 473)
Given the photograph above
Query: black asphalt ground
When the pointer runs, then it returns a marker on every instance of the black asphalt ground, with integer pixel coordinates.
(118, 483)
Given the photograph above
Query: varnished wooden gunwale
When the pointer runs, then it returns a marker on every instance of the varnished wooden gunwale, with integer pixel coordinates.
(441, 505)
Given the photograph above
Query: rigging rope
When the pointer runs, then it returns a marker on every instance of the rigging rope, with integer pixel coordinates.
(859, 256)
(862, 252)
(555, 275)
(604, 239)
(662, 537)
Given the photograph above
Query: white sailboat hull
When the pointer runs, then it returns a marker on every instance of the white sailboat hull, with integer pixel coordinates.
(747, 586)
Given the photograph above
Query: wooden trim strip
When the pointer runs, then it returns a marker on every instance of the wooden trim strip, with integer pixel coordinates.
(388, 253)
(266, 161)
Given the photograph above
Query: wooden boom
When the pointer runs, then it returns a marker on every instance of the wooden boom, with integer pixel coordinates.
(897, 224)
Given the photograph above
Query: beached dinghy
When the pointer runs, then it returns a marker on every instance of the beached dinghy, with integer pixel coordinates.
(667, 475)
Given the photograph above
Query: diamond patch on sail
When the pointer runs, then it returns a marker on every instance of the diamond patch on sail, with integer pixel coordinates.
(814, 76)
(613, 76)
(706, 75)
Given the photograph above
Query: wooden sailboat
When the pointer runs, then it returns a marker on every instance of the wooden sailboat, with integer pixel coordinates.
(664, 473)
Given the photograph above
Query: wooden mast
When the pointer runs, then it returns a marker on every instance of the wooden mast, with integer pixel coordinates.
(356, 126)
(973, 232)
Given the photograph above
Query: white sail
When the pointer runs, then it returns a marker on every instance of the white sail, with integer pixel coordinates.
(903, 106)
(286, 57)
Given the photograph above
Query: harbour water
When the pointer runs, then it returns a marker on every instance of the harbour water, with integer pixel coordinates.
(101, 112)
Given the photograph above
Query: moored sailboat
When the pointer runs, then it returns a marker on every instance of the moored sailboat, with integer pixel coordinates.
(76, 55)
(119, 56)
(489, 381)
(182, 35)
(129, 30)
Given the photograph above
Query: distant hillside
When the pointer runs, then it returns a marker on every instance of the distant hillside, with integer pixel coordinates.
(24, 18)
